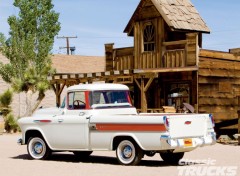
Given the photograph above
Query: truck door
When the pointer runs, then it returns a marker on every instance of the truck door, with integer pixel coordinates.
(70, 130)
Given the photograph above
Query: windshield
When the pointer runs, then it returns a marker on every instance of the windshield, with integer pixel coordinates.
(109, 98)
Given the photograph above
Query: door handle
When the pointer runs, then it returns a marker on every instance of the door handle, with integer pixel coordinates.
(60, 120)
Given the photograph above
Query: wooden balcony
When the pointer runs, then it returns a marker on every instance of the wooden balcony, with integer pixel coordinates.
(175, 57)
(182, 53)
(123, 58)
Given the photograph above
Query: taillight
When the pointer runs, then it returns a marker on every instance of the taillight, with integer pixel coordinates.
(212, 120)
(166, 122)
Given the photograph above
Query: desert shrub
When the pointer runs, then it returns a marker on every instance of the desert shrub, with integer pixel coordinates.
(5, 101)
(11, 123)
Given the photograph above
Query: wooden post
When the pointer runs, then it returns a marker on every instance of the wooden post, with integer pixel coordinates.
(192, 49)
(143, 88)
(58, 97)
(109, 56)
(143, 97)
(58, 90)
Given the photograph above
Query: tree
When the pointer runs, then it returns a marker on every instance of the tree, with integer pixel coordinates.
(28, 49)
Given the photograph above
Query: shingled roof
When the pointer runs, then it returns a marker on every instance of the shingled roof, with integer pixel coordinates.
(178, 14)
(78, 64)
(73, 63)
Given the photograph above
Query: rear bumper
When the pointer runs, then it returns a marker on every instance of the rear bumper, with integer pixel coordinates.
(187, 144)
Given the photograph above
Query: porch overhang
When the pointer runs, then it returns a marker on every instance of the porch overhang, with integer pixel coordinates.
(166, 70)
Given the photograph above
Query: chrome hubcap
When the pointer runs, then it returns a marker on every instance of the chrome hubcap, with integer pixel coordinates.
(38, 148)
(127, 152)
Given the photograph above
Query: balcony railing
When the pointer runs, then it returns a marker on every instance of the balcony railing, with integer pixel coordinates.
(173, 54)
(123, 62)
(174, 58)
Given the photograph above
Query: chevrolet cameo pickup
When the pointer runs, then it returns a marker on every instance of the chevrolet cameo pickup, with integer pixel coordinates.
(101, 117)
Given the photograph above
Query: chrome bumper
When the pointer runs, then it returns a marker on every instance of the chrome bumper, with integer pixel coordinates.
(168, 142)
(19, 141)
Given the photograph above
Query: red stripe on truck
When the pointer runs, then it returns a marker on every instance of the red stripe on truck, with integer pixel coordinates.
(44, 121)
(130, 127)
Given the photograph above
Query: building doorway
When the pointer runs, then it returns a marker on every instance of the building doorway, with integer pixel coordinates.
(176, 94)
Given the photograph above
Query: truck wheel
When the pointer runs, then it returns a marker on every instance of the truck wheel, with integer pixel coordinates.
(129, 153)
(171, 158)
(37, 148)
(82, 154)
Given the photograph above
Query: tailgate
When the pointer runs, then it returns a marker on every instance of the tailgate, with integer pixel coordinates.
(184, 126)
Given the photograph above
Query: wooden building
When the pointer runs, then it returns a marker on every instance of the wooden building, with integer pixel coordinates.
(166, 66)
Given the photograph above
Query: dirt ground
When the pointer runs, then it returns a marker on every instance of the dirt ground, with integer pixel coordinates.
(218, 159)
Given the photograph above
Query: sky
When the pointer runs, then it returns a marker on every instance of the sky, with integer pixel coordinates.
(97, 22)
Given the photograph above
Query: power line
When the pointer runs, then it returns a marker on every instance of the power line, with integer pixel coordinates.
(67, 40)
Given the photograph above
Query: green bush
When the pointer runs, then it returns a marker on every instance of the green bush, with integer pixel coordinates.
(5, 101)
(6, 98)
(11, 124)
(5, 108)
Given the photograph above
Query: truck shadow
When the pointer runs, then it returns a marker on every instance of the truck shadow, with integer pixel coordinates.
(93, 159)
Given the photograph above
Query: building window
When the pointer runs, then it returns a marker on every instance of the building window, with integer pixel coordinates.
(149, 37)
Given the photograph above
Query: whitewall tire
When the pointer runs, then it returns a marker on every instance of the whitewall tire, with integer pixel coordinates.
(37, 148)
(129, 153)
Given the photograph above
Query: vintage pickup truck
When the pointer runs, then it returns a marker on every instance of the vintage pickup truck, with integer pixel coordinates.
(101, 117)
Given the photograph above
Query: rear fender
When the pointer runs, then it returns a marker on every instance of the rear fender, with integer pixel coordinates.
(121, 136)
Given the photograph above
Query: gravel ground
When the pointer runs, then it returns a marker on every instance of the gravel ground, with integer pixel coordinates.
(14, 161)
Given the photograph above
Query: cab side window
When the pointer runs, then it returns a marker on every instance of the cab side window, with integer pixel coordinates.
(76, 100)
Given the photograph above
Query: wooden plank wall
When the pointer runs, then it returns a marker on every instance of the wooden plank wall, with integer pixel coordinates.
(142, 59)
(123, 58)
(219, 85)
(191, 49)
(109, 56)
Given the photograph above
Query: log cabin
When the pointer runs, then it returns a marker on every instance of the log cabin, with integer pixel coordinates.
(166, 65)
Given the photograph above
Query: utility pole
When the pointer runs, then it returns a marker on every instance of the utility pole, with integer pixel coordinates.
(67, 40)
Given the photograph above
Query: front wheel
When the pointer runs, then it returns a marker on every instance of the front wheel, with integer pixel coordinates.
(172, 158)
(37, 148)
(129, 153)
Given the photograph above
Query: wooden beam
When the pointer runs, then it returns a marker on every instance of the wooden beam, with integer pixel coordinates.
(54, 88)
(218, 54)
(219, 64)
(61, 89)
(165, 70)
(143, 97)
(148, 84)
(58, 90)
(179, 42)
(143, 88)
(219, 73)
(137, 83)
(58, 97)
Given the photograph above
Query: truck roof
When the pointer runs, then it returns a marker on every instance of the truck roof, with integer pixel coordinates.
(98, 86)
